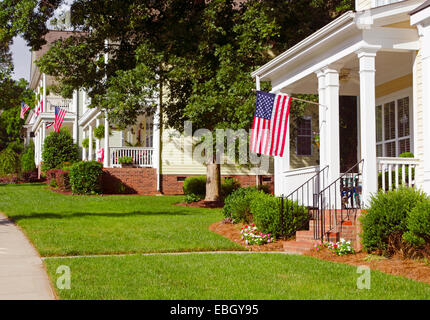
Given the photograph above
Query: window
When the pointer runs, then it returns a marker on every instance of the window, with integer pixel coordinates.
(304, 137)
(393, 128)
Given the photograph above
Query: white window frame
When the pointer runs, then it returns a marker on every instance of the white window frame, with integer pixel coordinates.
(312, 149)
(404, 93)
(380, 3)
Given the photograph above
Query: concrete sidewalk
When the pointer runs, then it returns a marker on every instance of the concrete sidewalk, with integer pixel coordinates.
(22, 274)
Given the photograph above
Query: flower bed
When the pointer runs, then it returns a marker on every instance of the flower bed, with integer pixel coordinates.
(340, 248)
(252, 235)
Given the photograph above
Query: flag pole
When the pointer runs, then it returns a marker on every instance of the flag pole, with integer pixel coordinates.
(293, 98)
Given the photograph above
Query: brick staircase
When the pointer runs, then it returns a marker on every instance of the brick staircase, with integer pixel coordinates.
(348, 230)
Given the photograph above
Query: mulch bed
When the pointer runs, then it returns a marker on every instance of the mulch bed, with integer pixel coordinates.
(413, 269)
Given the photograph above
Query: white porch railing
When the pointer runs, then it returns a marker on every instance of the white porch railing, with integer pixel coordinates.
(142, 157)
(59, 102)
(393, 172)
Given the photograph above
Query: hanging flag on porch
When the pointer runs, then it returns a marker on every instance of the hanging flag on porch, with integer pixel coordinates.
(269, 129)
(60, 113)
(24, 109)
(39, 108)
(49, 124)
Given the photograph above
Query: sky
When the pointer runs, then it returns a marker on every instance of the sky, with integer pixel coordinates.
(21, 59)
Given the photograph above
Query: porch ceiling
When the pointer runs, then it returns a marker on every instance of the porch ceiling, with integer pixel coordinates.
(389, 66)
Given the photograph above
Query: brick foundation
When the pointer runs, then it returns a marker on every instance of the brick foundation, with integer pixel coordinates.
(130, 180)
(173, 184)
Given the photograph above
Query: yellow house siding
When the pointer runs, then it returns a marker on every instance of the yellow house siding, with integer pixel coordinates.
(306, 161)
(394, 85)
(362, 5)
(175, 160)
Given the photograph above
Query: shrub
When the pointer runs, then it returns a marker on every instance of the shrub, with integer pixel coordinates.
(189, 198)
(59, 148)
(99, 132)
(195, 186)
(85, 177)
(387, 217)
(27, 158)
(9, 162)
(53, 183)
(125, 160)
(237, 204)
(86, 143)
(228, 186)
(406, 155)
(265, 212)
(418, 224)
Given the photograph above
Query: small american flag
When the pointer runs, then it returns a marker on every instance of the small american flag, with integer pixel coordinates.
(49, 124)
(39, 108)
(60, 113)
(269, 130)
(24, 109)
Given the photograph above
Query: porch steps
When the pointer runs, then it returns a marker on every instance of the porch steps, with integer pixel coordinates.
(305, 239)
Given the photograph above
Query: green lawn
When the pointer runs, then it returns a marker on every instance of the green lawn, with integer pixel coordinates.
(91, 225)
(225, 276)
(80, 225)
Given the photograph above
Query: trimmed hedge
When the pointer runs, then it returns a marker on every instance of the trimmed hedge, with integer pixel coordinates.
(264, 210)
(195, 187)
(418, 224)
(85, 177)
(387, 217)
(57, 149)
(9, 162)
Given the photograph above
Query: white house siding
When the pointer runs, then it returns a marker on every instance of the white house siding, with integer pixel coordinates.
(362, 5)
(177, 162)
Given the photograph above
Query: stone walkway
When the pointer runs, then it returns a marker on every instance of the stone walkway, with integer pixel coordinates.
(22, 273)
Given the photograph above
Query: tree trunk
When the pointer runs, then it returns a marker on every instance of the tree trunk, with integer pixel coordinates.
(213, 181)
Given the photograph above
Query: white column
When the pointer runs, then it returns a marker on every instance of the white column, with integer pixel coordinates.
(97, 140)
(84, 150)
(425, 56)
(156, 144)
(45, 107)
(90, 144)
(331, 99)
(75, 123)
(106, 161)
(41, 141)
(322, 118)
(366, 58)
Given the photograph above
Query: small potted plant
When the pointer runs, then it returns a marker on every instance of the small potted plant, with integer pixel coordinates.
(126, 162)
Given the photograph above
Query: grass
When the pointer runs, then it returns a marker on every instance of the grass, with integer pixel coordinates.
(225, 276)
(61, 225)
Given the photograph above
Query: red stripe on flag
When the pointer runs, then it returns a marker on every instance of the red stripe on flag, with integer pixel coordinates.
(281, 122)
(273, 125)
(286, 126)
(251, 142)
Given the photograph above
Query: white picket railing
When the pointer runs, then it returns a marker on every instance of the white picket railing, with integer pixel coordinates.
(396, 172)
(59, 102)
(142, 157)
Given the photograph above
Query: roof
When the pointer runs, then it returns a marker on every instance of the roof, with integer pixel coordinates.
(421, 7)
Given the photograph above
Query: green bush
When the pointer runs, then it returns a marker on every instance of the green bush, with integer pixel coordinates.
(387, 216)
(53, 183)
(27, 158)
(237, 204)
(265, 212)
(228, 186)
(85, 177)
(418, 224)
(406, 155)
(195, 186)
(99, 132)
(189, 198)
(57, 149)
(125, 160)
(86, 143)
(9, 162)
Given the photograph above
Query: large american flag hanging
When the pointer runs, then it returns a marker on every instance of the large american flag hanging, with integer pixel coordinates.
(24, 109)
(269, 130)
(60, 113)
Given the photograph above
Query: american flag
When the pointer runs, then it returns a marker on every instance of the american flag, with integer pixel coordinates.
(60, 113)
(49, 124)
(24, 109)
(39, 108)
(269, 130)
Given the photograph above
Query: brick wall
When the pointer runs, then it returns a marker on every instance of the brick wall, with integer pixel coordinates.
(134, 180)
(173, 184)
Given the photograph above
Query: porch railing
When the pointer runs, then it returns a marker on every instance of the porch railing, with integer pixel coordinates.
(142, 157)
(393, 172)
(59, 102)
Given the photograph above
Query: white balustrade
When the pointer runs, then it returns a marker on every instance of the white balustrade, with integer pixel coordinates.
(52, 102)
(394, 172)
(142, 157)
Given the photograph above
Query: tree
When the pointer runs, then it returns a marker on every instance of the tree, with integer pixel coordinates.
(196, 53)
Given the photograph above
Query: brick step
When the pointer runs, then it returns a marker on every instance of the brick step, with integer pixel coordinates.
(299, 247)
(313, 224)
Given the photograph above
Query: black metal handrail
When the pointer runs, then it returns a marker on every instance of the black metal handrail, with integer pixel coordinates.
(342, 196)
(296, 207)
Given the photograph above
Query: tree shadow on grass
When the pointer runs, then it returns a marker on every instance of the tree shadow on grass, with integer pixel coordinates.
(36, 215)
